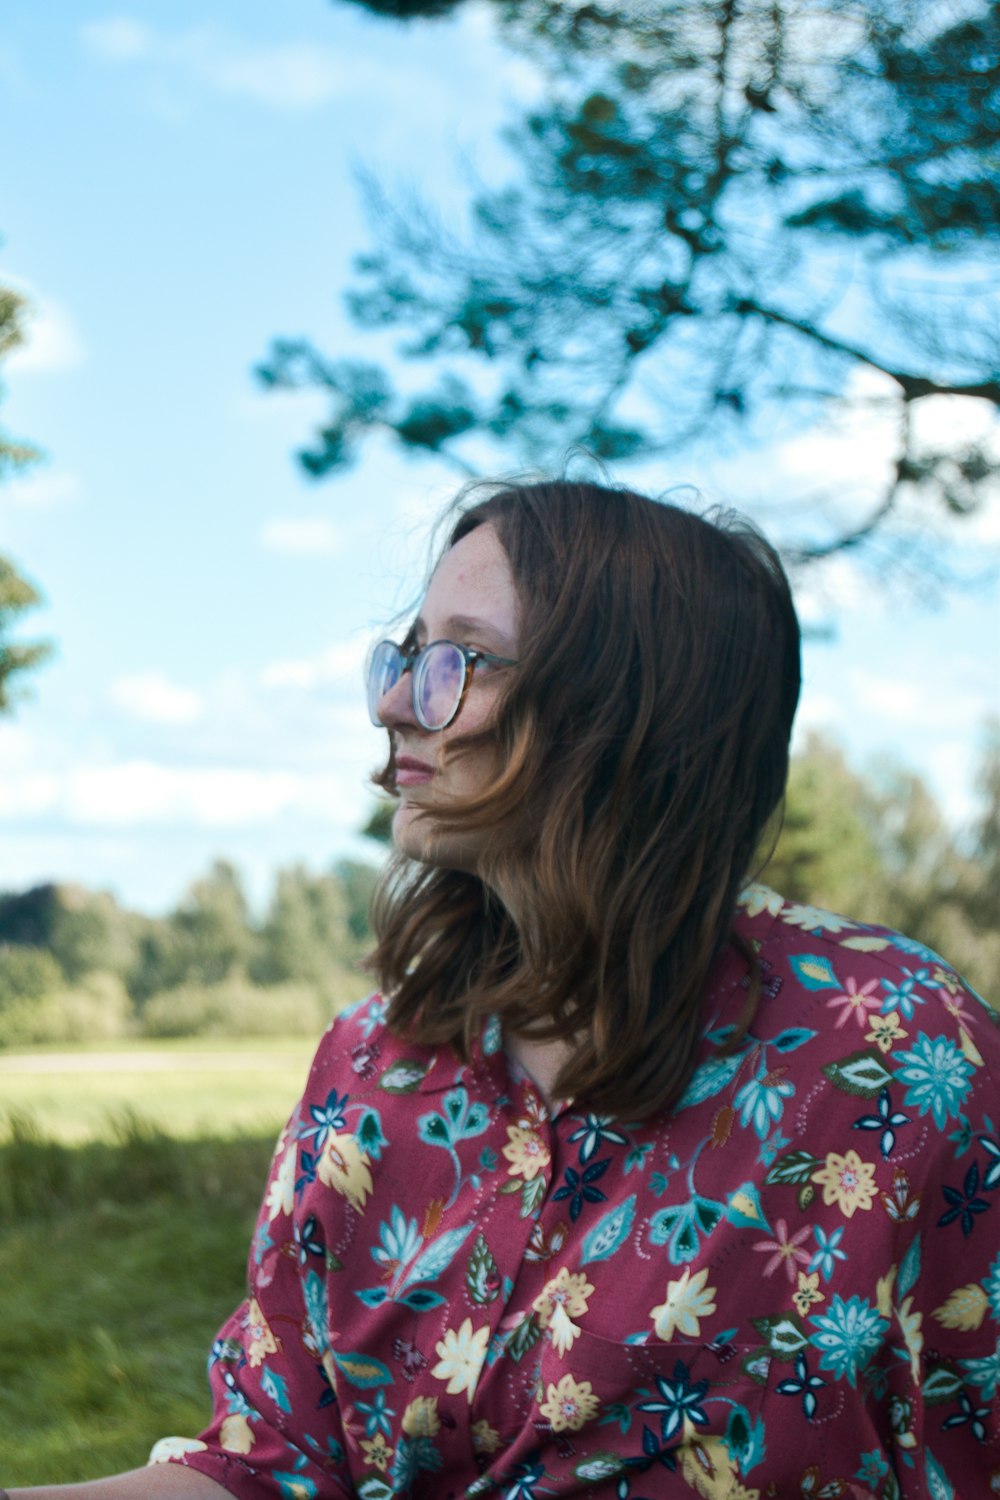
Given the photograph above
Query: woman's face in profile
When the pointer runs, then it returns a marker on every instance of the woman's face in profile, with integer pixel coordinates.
(472, 600)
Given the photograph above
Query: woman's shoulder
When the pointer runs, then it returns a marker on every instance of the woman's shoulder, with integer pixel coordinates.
(824, 950)
(359, 1054)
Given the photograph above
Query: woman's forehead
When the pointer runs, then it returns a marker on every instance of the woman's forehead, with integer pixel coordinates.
(472, 587)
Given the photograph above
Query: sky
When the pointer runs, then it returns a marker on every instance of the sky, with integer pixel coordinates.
(177, 191)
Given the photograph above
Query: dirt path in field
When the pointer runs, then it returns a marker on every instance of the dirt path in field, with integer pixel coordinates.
(140, 1062)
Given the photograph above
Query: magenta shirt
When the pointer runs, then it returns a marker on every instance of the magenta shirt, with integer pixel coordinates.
(789, 1284)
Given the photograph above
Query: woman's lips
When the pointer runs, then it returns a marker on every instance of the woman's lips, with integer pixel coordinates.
(412, 772)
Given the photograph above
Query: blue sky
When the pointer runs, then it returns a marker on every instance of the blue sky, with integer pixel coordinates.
(178, 190)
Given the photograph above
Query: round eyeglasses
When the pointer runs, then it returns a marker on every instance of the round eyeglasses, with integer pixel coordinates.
(441, 673)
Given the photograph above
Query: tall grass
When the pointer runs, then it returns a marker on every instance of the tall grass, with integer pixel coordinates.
(118, 1261)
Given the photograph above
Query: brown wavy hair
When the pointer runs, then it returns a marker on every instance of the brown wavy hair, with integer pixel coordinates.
(641, 748)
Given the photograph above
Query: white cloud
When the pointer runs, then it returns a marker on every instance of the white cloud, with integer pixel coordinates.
(288, 76)
(305, 536)
(41, 489)
(52, 342)
(341, 663)
(119, 38)
(150, 698)
(293, 76)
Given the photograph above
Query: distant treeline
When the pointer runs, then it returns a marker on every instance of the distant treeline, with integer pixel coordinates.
(75, 965)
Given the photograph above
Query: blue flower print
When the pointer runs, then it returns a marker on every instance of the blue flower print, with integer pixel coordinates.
(887, 1120)
(804, 1385)
(762, 1100)
(903, 996)
(848, 1336)
(325, 1117)
(376, 1414)
(594, 1130)
(525, 1477)
(772, 1148)
(991, 1146)
(968, 1413)
(580, 1188)
(991, 1286)
(872, 1470)
(937, 1077)
(965, 1202)
(680, 1397)
(828, 1250)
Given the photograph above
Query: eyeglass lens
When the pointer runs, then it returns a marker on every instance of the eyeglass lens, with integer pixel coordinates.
(438, 679)
(437, 684)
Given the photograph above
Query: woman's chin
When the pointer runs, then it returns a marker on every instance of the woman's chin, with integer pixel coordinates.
(415, 835)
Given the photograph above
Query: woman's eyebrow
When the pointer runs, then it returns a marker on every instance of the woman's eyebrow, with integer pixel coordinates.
(463, 625)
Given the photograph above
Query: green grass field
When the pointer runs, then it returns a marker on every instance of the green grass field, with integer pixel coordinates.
(129, 1183)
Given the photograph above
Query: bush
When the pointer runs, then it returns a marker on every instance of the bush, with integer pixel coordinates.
(27, 973)
(236, 1007)
(97, 1009)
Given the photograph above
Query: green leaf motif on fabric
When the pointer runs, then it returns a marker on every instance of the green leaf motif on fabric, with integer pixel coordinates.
(599, 1466)
(942, 1384)
(532, 1195)
(784, 1333)
(524, 1338)
(814, 971)
(363, 1370)
(909, 1268)
(863, 1074)
(404, 1076)
(610, 1233)
(482, 1276)
(866, 943)
(374, 1489)
(794, 1166)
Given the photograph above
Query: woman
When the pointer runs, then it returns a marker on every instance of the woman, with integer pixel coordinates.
(627, 1184)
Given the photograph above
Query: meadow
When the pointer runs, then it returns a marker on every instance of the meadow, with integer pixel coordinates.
(129, 1182)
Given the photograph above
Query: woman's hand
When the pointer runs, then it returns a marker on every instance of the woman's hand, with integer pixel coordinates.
(160, 1479)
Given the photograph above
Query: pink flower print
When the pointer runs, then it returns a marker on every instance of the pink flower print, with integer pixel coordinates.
(856, 1002)
(785, 1250)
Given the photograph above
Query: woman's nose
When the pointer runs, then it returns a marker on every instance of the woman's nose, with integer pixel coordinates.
(396, 704)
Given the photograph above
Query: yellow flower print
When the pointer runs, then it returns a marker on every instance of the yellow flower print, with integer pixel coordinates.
(462, 1354)
(847, 1181)
(706, 1464)
(175, 1447)
(808, 1292)
(420, 1419)
(260, 1339)
(965, 1308)
(885, 1030)
(688, 1300)
(343, 1166)
(235, 1434)
(569, 1405)
(911, 1323)
(526, 1151)
(569, 1290)
(485, 1439)
(281, 1193)
(948, 978)
(377, 1452)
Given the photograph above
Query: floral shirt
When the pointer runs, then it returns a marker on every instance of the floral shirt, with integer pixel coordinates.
(788, 1285)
